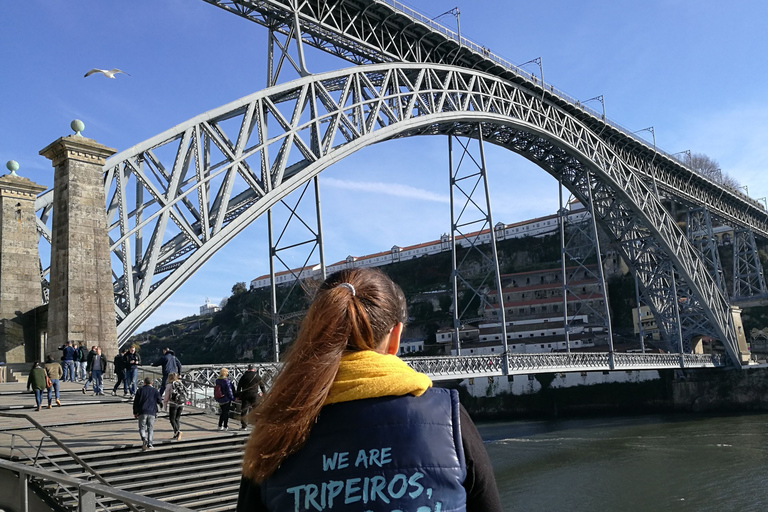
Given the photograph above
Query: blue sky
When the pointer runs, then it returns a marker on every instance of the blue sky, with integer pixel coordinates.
(694, 70)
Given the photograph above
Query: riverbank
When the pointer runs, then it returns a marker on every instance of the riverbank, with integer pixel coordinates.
(674, 391)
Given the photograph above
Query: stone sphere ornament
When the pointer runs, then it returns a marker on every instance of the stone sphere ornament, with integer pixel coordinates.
(77, 126)
(13, 166)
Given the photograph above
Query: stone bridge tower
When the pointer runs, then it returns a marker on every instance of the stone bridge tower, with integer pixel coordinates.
(20, 290)
(81, 304)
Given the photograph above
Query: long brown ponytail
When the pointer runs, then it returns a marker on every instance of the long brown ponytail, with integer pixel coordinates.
(356, 316)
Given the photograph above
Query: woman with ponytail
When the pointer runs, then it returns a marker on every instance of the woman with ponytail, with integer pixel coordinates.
(347, 425)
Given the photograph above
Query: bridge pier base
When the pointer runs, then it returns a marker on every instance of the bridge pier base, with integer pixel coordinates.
(81, 303)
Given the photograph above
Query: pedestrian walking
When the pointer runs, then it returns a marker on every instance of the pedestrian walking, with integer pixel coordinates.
(96, 367)
(37, 382)
(145, 410)
(346, 413)
(224, 396)
(81, 362)
(250, 389)
(120, 373)
(68, 358)
(174, 400)
(54, 372)
(132, 363)
(88, 360)
(170, 364)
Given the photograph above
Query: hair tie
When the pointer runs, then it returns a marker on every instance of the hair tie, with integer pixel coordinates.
(348, 287)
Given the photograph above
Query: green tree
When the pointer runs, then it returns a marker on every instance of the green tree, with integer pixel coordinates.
(239, 288)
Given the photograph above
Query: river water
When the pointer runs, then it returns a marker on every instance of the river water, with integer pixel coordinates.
(648, 463)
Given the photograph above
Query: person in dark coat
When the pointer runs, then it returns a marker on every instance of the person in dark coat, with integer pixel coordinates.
(68, 355)
(132, 363)
(97, 365)
(120, 373)
(88, 361)
(227, 397)
(36, 382)
(145, 410)
(170, 364)
(250, 388)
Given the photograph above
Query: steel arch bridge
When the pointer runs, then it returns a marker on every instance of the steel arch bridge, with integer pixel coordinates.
(196, 186)
(177, 198)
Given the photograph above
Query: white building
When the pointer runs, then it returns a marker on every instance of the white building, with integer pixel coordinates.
(208, 308)
(538, 227)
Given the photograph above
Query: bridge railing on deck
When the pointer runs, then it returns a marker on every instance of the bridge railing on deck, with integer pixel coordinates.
(200, 379)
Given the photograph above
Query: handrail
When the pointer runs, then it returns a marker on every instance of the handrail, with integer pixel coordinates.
(64, 447)
(88, 490)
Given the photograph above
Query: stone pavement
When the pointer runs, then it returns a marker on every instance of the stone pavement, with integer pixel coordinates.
(86, 422)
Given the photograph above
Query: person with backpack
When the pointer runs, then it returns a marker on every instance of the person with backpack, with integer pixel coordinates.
(174, 400)
(224, 395)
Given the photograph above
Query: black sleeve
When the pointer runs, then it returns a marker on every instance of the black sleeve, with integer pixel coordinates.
(249, 498)
(482, 493)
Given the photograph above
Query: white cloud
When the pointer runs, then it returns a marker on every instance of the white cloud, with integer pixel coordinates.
(391, 189)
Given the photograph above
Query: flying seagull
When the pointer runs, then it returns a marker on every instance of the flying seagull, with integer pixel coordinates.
(109, 74)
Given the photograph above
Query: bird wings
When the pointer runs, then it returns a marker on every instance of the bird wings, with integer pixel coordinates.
(108, 73)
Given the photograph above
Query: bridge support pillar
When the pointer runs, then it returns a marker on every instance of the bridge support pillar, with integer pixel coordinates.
(741, 338)
(19, 267)
(81, 303)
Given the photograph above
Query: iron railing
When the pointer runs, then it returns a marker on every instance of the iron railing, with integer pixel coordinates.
(202, 378)
(60, 491)
(89, 496)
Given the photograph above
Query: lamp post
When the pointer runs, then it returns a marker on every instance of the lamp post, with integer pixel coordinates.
(537, 60)
(684, 152)
(764, 200)
(746, 189)
(453, 12)
(601, 100)
(653, 176)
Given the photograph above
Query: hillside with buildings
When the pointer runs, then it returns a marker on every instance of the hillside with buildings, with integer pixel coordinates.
(533, 294)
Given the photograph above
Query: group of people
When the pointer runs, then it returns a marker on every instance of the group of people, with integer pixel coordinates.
(172, 396)
(250, 389)
(74, 361)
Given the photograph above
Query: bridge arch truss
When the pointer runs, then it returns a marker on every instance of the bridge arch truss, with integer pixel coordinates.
(177, 198)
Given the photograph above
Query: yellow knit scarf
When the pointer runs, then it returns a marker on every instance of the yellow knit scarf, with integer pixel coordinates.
(368, 374)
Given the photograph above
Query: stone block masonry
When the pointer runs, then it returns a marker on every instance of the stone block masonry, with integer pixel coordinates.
(20, 289)
(81, 303)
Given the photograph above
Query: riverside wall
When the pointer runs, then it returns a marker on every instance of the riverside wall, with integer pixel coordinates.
(711, 391)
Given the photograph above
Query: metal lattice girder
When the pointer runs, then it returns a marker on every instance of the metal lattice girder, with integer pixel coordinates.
(302, 237)
(470, 205)
(578, 247)
(748, 280)
(206, 179)
(378, 31)
(699, 230)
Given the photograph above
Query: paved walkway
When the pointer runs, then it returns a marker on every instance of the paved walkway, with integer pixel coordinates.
(86, 422)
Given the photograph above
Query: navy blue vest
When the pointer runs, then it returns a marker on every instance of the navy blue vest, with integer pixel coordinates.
(378, 454)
